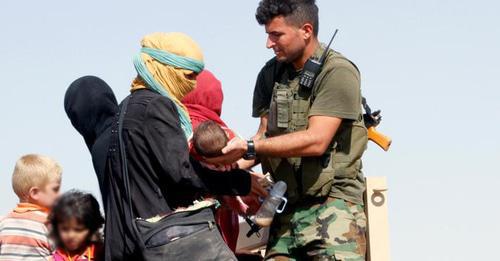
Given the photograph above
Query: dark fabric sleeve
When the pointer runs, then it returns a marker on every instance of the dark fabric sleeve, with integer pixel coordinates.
(263, 91)
(235, 183)
(169, 144)
(170, 149)
(261, 96)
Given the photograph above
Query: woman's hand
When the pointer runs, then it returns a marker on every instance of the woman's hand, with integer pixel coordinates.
(257, 188)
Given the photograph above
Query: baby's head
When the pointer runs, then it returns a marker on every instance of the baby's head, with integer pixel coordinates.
(37, 179)
(76, 219)
(209, 139)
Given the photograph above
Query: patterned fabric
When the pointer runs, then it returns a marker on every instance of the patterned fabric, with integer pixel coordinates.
(331, 231)
(24, 234)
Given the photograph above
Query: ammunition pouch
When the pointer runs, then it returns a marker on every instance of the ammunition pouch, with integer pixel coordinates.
(315, 179)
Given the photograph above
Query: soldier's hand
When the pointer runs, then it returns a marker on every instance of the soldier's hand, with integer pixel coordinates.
(234, 150)
(236, 146)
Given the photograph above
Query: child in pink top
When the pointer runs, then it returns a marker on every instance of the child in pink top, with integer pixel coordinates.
(76, 220)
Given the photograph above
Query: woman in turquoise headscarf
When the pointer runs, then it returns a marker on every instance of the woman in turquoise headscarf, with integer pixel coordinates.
(163, 178)
(168, 64)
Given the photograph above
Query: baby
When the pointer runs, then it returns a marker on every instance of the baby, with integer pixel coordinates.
(209, 138)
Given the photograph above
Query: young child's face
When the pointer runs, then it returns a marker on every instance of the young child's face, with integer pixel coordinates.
(47, 195)
(73, 234)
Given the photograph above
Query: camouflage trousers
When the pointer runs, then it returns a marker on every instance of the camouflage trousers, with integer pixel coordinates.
(334, 230)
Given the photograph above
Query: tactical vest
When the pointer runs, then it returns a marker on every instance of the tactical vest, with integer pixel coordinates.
(305, 176)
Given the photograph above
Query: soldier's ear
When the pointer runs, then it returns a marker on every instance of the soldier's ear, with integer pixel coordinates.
(307, 31)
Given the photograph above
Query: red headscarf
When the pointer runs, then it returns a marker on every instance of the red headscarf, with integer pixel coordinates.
(205, 101)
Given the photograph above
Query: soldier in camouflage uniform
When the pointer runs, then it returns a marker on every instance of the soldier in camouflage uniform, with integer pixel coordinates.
(312, 139)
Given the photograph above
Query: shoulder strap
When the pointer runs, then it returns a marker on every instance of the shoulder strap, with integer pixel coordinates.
(126, 178)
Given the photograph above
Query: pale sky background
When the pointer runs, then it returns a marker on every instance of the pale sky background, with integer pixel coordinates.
(431, 66)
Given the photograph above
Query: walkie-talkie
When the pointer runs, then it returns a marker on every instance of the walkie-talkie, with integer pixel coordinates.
(312, 67)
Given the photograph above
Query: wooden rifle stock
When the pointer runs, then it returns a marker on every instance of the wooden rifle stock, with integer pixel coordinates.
(380, 139)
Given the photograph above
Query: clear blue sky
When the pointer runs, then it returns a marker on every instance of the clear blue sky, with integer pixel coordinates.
(431, 66)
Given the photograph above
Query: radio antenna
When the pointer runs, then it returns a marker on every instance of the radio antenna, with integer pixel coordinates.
(328, 47)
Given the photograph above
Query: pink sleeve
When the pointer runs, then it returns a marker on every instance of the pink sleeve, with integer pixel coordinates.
(58, 257)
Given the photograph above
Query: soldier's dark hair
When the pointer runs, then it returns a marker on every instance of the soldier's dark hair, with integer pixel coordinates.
(209, 139)
(296, 12)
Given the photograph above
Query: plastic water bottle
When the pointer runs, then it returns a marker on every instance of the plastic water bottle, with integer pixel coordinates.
(265, 214)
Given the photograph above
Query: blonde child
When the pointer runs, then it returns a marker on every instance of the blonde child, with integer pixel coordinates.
(23, 232)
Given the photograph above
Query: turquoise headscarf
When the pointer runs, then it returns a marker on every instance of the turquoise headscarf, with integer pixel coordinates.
(176, 61)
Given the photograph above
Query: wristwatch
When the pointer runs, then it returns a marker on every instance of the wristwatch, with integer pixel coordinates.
(250, 155)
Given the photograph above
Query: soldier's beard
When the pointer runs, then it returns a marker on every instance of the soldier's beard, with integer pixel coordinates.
(290, 58)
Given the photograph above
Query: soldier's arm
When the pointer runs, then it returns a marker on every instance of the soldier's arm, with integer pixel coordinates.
(311, 142)
(337, 98)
